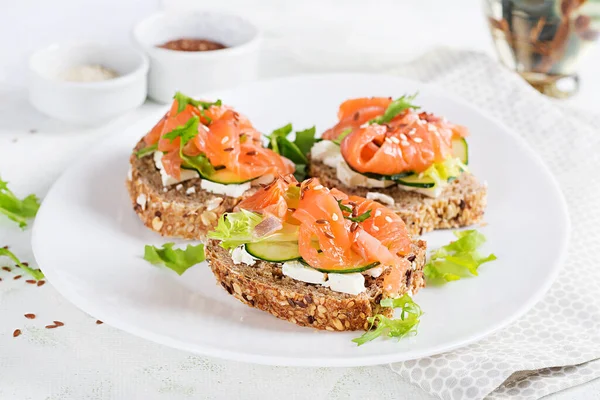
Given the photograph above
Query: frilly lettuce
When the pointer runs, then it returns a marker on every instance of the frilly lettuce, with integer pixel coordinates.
(405, 325)
(445, 171)
(457, 259)
(178, 260)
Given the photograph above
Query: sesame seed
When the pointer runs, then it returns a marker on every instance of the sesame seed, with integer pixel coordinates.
(403, 136)
(318, 187)
(225, 140)
(418, 140)
(387, 139)
(395, 139)
(431, 128)
(334, 217)
(375, 228)
(412, 132)
(377, 213)
(388, 218)
(405, 143)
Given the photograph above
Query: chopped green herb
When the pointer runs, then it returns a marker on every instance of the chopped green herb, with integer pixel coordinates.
(16, 209)
(395, 108)
(405, 325)
(359, 218)
(178, 260)
(458, 259)
(183, 101)
(35, 273)
(305, 139)
(146, 150)
(186, 132)
(341, 136)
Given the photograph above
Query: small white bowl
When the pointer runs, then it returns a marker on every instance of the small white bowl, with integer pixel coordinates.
(87, 103)
(197, 72)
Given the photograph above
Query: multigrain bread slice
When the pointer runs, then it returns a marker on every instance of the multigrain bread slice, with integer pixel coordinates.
(264, 286)
(184, 210)
(462, 202)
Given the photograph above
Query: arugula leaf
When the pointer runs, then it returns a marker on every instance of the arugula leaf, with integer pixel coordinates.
(35, 273)
(178, 260)
(16, 209)
(295, 151)
(359, 218)
(146, 150)
(186, 132)
(183, 101)
(405, 325)
(396, 107)
(235, 229)
(305, 139)
(458, 259)
(341, 136)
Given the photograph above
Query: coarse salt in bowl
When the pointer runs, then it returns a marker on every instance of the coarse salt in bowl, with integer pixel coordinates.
(197, 72)
(87, 83)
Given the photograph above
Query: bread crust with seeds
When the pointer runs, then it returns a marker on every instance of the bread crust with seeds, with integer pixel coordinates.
(264, 286)
(462, 202)
(178, 211)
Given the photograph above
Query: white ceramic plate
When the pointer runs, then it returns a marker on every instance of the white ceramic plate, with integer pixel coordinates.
(90, 243)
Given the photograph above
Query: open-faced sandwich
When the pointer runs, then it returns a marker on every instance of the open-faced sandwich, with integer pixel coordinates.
(316, 257)
(414, 162)
(198, 162)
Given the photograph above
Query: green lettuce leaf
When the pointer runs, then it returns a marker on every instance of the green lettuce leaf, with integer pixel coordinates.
(235, 229)
(445, 171)
(35, 273)
(395, 108)
(178, 260)
(458, 259)
(295, 151)
(16, 209)
(407, 324)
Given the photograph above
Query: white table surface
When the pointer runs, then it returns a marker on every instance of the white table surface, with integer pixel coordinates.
(300, 37)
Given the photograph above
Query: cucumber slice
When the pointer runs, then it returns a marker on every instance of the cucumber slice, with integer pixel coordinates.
(460, 149)
(414, 180)
(343, 270)
(274, 251)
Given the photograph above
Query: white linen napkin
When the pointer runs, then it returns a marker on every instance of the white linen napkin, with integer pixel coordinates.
(556, 345)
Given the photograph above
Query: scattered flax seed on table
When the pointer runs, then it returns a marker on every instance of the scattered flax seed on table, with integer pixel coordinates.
(41, 283)
(98, 322)
(31, 281)
(58, 323)
(6, 269)
(16, 333)
(18, 277)
(51, 326)
(30, 316)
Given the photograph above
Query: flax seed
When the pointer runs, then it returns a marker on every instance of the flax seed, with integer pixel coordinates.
(17, 333)
(329, 235)
(356, 116)
(251, 153)
(6, 269)
(353, 227)
(18, 277)
(29, 316)
(51, 326)
(321, 221)
(31, 281)
(41, 283)
(98, 322)
(228, 149)
(58, 323)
